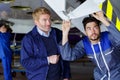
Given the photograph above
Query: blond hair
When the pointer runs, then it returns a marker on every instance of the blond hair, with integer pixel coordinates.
(39, 11)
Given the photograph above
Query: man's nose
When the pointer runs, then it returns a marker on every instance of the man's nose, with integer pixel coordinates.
(92, 30)
(48, 22)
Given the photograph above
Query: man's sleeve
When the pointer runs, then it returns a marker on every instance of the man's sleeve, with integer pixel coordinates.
(28, 60)
(66, 69)
(114, 34)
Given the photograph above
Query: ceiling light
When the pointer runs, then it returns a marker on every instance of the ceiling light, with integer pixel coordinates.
(30, 13)
(7, 1)
(21, 7)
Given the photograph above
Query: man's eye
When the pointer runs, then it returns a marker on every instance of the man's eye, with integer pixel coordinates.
(44, 20)
(88, 28)
(96, 27)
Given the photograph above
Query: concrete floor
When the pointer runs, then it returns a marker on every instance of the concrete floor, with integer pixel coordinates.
(79, 70)
(82, 71)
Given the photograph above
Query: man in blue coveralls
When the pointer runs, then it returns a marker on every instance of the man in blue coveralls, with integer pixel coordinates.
(5, 51)
(103, 48)
(40, 53)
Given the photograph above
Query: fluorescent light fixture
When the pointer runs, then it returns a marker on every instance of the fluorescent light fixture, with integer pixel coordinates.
(21, 7)
(6, 1)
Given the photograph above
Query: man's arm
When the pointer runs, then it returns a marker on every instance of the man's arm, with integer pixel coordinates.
(114, 34)
(69, 53)
(28, 60)
(65, 28)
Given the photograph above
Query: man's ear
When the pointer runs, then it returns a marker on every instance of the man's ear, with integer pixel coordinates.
(36, 22)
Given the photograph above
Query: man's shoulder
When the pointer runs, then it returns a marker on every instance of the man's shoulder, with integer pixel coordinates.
(105, 33)
(28, 35)
(32, 33)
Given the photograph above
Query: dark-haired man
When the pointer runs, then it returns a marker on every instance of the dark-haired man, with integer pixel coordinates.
(103, 48)
(5, 50)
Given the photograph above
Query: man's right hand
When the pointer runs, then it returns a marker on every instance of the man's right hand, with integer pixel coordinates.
(66, 27)
(65, 31)
(53, 59)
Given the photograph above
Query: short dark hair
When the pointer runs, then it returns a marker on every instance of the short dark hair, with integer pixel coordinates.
(2, 23)
(90, 19)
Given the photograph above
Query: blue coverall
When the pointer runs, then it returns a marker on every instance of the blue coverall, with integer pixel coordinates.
(6, 54)
(105, 54)
(34, 56)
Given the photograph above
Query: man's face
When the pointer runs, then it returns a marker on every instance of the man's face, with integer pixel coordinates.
(44, 22)
(92, 31)
(3, 29)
